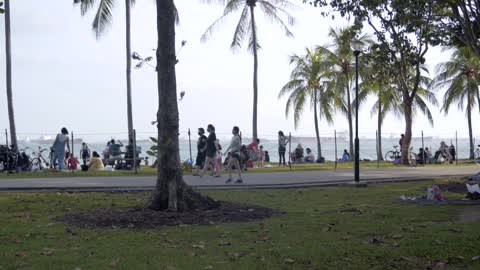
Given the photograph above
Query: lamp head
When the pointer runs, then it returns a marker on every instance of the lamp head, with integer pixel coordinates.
(357, 45)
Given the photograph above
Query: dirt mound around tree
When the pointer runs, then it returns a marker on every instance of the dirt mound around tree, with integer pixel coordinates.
(140, 217)
(456, 187)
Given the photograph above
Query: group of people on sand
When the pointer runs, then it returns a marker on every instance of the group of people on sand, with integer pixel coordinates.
(444, 154)
(62, 158)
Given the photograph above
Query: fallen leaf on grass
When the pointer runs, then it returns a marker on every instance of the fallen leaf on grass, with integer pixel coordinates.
(236, 254)
(46, 253)
(264, 238)
(208, 267)
(351, 210)
(397, 236)
(455, 230)
(376, 240)
(20, 254)
(190, 253)
(289, 260)
(199, 246)
(115, 262)
(475, 258)
(225, 243)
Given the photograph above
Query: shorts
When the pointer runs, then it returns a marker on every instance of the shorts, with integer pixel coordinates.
(282, 149)
(236, 156)
(85, 155)
(211, 154)
(200, 160)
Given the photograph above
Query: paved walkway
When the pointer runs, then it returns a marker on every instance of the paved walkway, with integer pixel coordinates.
(251, 180)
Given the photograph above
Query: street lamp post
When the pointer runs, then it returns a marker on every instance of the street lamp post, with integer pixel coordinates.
(357, 47)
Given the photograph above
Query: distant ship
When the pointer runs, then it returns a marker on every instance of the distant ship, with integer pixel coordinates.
(45, 139)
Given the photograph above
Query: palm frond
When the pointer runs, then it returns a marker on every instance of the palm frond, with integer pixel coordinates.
(241, 29)
(232, 6)
(103, 17)
(271, 12)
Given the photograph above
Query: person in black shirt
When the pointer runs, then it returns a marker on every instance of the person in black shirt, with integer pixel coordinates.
(211, 151)
(201, 151)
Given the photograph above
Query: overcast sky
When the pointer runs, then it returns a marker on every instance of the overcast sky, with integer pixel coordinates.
(63, 76)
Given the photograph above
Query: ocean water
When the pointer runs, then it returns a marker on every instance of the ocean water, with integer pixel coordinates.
(367, 146)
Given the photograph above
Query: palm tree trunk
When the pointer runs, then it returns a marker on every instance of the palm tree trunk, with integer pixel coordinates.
(319, 147)
(8, 60)
(478, 99)
(379, 122)
(407, 104)
(170, 192)
(255, 71)
(469, 118)
(349, 116)
(129, 71)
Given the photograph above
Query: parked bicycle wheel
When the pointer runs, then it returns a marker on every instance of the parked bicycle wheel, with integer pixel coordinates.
(390, 156)
(37, 163)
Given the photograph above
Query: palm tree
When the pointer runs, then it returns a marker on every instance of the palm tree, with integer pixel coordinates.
(387, 101)
(380, 82)
(101, 21)
(306, 83)
(8, 60)
(339, 56)
(247, 28)
(460, 75)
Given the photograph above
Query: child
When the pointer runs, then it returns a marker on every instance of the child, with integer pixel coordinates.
(146, 161)
(72, 163)
(260, 157)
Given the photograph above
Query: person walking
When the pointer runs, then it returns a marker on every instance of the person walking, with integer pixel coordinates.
(85, 153)
(58, 147)
(282, 148)
(234, 156)
(201, 151)
(211, 151)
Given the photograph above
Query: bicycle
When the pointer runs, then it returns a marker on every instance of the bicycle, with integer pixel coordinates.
(395, 155)
(38, 161)
(392, 155)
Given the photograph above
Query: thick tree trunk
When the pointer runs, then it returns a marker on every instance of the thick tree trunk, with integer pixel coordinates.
(350, 122)
(407, 104)
(470, 133)
(255, 73)
(379, 153)
(8, 60)
(170, 192)
(319, 146)
(129, 70)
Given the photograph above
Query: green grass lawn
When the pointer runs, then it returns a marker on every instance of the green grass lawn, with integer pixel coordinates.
(148, 171)
(314, 234)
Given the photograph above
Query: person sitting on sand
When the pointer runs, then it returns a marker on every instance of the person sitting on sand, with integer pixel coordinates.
(95, 163)
(298, 153)
(310, 157)
(72, 162)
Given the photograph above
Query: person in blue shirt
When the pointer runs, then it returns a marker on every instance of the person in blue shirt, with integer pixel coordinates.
(346, 155)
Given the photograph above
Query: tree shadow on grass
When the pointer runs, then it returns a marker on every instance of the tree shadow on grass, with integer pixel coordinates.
(141, 217)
